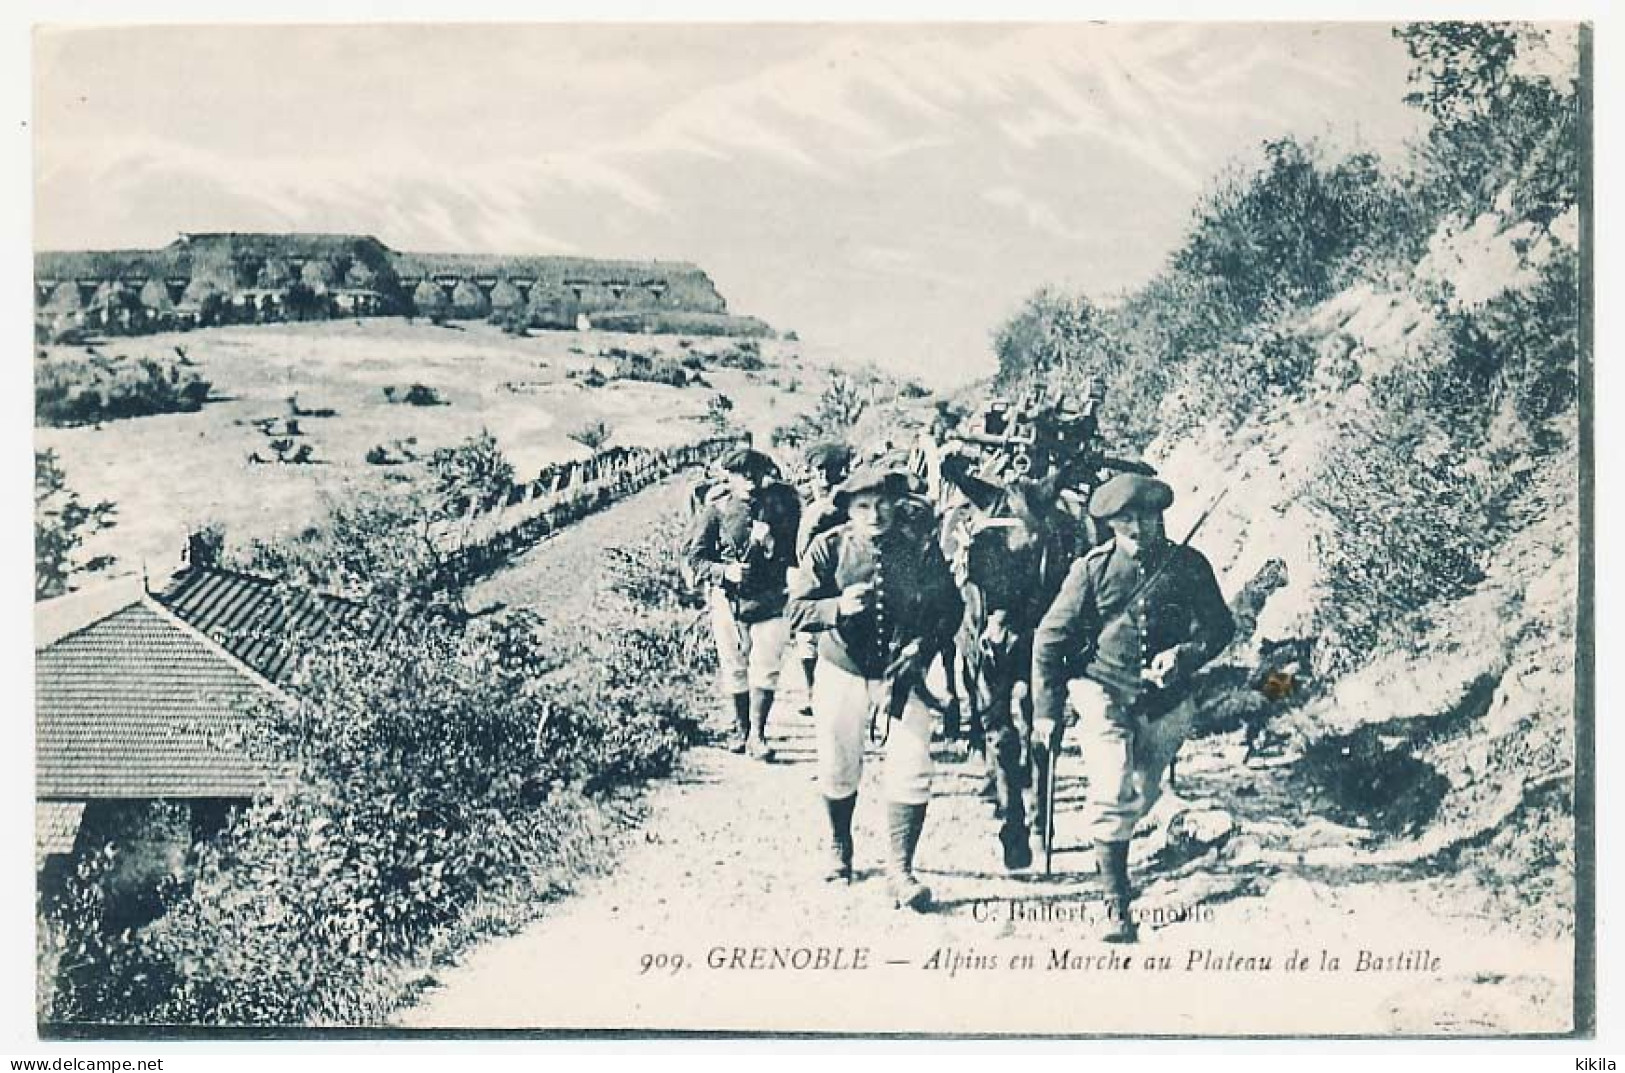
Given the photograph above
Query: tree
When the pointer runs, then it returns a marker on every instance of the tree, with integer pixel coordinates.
(1053, 332)
(472, 477)
(1495, 119)
(1284, 234)
(61, 524)
(304, 302)
(719, 413)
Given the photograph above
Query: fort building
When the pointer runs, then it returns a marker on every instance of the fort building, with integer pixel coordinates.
(237, 277)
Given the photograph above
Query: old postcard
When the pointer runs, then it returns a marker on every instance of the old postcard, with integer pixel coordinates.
(1033, 529)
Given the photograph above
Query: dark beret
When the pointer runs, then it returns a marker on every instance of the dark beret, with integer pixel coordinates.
(829, 456)
(1127, 491)
(873, 477)
(750, 462)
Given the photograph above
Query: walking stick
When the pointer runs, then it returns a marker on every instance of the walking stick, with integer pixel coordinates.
(1051, 767)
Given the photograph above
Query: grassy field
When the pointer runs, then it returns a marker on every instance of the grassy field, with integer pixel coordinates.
(172, 472)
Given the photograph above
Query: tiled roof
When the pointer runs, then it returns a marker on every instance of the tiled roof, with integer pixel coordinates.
(132, 703)
(56, 827)
(262, 623)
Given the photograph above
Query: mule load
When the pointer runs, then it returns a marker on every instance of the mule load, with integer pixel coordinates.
(1015, 484)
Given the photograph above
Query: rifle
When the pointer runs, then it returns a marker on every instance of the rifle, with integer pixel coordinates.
(1052, 752)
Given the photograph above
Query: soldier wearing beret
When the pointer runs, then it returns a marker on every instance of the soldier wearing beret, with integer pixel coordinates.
(827, 466)
(883, 604)
(742, 546)
(1136, 616)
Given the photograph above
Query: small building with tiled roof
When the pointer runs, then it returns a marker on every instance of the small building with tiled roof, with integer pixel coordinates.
(135, 705)
(264, 623)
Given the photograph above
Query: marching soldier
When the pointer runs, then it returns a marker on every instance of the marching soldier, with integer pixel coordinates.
(883, 605)
(1137, 616)
(827, 465)
(743, 546)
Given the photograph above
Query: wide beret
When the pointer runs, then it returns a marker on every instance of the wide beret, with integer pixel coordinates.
(750, 462)
(1128, 491)
(829, 456)
(873, 477)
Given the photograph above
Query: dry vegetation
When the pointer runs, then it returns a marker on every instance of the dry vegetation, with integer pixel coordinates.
(174, 471)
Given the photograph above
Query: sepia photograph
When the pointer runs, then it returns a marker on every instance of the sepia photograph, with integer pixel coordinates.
(935, 530)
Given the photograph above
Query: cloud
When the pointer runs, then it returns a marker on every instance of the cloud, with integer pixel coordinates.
(863, 180)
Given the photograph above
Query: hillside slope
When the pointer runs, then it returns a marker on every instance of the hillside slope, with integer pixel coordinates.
(1453, 733)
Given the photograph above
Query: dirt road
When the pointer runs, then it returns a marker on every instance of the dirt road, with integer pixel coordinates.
(1286, 927)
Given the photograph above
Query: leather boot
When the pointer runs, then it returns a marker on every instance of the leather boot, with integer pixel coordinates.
(906, 822)
(741, 737)
(809, 669)
(1010, 783)
(761, 702)
(840, 838)
(1120, 927)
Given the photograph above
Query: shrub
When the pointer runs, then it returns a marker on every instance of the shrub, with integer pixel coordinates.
(1405, 526)
(1287, 233)
(1490, 123)
(1227, 384)
(840, 406)
(61, 524)
(593, 434)
(650, 368)
(73, 390)
(422, 395)
(719, 413)
(474, 476)
(745, 355)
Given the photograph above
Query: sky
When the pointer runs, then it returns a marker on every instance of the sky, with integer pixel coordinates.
(891, 193)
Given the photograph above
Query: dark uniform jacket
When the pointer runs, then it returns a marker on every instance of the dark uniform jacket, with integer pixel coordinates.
(820, 517)
(722, 535)
(1092, 616)
(915, 598)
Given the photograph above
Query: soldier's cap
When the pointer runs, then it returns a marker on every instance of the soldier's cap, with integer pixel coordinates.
(749, 462)
(873, 477)
(829, 456)
(1129, 491)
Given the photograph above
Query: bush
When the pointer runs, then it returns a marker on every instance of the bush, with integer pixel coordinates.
(650, 368)
(719, 413)
(472, 477)
(1226, 385)
(840, 406)
(592, 435)
(74, 390)
(1405, 526)
(1264, 243)
(61, 524)
(422, 395)
(1490, 123)
(745, 355)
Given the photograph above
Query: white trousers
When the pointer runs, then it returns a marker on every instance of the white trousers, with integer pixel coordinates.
(748, 656)
(841, 705)
(1124, 757)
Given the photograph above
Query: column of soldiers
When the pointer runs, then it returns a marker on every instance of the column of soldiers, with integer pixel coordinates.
(1028, 606)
